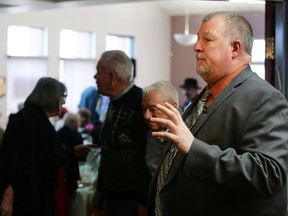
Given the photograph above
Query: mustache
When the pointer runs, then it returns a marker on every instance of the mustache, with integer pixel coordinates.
(198, 56)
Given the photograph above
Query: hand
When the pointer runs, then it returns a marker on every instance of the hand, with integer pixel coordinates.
(7, 201)
(178, 132)
(81, 151)
(142, 210)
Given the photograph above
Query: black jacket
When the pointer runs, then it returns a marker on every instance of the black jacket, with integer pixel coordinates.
(29, 159)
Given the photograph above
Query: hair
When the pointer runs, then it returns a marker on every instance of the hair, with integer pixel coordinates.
(168, 91)
(69, 119)
(85, 113)
(47, 94)
(237, 27)
(118, 61)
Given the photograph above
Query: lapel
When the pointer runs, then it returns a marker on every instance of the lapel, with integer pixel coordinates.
(216, 104)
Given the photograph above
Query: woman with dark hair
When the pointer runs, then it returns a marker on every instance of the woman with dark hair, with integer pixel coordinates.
(31, 155)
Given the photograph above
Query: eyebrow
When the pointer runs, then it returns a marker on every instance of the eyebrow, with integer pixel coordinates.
(208, 33)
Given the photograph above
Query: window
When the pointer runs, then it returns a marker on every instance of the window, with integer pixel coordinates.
(26, 41)
(77, 64)
(26, 49)
(76, 44)
(124, 43)
(258, 57)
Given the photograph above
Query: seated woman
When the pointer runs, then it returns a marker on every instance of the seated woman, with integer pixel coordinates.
(70, 137)
(90, 130)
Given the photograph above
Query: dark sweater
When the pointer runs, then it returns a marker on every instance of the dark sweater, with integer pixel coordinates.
(123, 173)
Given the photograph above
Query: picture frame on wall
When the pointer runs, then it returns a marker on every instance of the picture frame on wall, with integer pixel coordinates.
(2, 86)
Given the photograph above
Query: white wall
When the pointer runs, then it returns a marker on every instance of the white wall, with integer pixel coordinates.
(149, 24)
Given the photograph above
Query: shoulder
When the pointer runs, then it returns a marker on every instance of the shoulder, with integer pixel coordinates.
(136, 91)
(133, 96)
(249, 82)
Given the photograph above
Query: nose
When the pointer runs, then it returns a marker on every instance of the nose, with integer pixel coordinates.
(95, 76)
(63, 99)
(147, 114)
(197, 46)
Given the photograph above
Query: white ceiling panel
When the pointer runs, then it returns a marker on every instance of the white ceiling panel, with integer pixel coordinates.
(172, 7)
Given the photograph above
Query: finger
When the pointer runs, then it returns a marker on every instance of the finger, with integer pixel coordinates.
(164, 123)
(164, 135)
(170, 111)
(171, 107)
(168, 108)
(170, 124)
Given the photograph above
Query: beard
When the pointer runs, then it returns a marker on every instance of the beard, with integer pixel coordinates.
(203, 70)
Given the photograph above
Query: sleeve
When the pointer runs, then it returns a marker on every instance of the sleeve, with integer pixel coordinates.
(12, 154)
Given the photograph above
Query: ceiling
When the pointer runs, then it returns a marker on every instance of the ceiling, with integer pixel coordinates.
(173, 7)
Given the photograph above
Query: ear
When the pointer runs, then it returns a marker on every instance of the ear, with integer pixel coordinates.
(236, 48)
(113, 77)
(174, 104)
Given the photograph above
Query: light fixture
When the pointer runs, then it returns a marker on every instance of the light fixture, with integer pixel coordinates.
(186, 39)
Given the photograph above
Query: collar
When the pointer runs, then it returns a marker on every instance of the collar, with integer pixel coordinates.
(123, 92)
(222, 84)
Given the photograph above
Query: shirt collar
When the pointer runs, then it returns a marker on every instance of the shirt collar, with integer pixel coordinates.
(222, 84)
(123, 92)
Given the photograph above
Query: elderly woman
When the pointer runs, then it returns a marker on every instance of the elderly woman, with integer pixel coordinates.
(31, 155)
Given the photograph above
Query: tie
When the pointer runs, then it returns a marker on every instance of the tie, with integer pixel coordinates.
(197, 110)
(165, 166)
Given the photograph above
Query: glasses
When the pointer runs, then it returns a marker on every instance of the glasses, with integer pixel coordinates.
(63, 98)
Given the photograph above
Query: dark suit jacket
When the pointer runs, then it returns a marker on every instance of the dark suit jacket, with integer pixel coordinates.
(238, 160)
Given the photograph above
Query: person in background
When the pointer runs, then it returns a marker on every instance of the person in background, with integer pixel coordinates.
(84, 117)
(70, 137)
(89, 100)
(85, 124)
(90, 131)
(190, 88)
(233, 159)
(123, 176)
(31, 156)
(95, 131)
(157, 93)
(102, 107)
